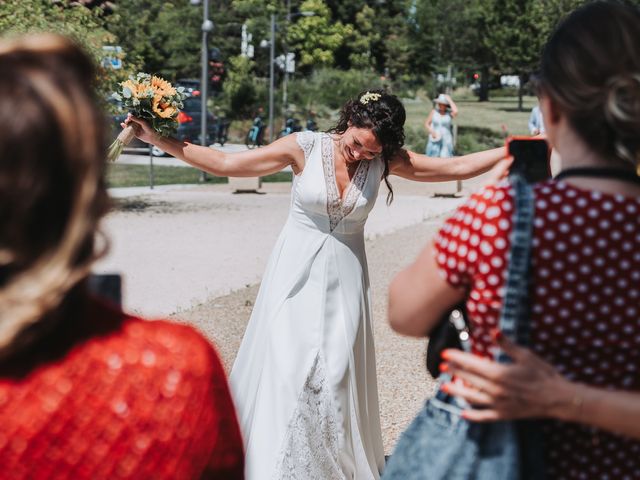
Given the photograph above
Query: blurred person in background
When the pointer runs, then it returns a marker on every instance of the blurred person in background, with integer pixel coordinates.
(582, 372)
(439, 124)
(86, 391)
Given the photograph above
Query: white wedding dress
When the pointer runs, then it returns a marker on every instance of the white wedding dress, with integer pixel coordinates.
(304, 379)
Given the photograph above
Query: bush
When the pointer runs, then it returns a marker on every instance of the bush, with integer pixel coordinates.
(475, 139)
(330, 88)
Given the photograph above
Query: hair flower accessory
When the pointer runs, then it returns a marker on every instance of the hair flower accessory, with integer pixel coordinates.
(369, 97)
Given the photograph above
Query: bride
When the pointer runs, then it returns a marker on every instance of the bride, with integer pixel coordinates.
(304, 379)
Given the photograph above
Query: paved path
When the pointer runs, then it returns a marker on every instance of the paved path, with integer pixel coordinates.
(197, 253)
(179, 246)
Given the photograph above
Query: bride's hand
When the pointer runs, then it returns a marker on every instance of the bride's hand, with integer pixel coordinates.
(141, 128)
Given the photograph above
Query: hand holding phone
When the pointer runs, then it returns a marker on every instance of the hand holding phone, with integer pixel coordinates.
(530, 158)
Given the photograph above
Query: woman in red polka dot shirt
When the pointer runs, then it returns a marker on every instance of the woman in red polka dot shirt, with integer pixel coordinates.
(582, 372)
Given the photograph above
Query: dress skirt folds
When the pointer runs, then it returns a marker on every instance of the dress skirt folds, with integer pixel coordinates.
(304, 379)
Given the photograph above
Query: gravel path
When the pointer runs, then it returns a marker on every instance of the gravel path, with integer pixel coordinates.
(197, 254)
(403, 383)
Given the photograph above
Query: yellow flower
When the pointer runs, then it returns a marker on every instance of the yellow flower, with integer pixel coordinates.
(137, 89)
(162, 87)
(162, 109)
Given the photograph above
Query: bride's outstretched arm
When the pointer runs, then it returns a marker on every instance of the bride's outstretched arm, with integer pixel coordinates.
(419, 167)
(251, 163)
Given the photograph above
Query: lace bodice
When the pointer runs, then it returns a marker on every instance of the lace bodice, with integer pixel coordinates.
(337, 208)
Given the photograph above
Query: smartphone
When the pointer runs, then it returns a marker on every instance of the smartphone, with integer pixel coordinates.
(108, 286)
(531, 158)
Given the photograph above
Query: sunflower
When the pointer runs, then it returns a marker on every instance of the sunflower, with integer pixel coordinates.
(162, 109)
(138, 90)
(162, 87)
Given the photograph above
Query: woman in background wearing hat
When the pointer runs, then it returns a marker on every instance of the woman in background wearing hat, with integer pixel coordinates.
(439, 125)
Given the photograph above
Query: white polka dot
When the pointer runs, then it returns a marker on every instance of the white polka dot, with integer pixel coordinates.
(578, 220)
(500, 243)
(486, 248)
(489, 230)
(549, 234)
(567, 210)
(492, 212)
(504, 224)
(552, 215)
(581, 202)
(497, 262)
(585, 269)
(555, 198)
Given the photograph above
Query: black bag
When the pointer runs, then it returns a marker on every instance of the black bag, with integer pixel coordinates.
(452, 331)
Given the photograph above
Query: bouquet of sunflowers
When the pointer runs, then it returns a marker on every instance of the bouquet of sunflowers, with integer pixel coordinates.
(152, 99)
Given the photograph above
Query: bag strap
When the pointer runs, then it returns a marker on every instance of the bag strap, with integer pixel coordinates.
(514, 318)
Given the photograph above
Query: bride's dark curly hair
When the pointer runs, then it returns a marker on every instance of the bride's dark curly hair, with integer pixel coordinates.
(384, 115)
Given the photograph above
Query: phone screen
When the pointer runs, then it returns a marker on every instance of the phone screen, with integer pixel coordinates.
(530, 158)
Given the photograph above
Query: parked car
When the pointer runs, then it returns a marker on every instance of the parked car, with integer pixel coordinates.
(188, 125)
(191, 86)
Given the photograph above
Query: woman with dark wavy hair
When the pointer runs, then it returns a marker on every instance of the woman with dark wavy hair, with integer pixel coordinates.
(304, 379)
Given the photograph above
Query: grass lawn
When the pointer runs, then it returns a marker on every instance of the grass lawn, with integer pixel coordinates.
(122, 175)
(480, 124)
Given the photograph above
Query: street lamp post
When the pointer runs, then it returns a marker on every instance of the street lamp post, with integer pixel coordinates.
(272, 50)
(207, 27)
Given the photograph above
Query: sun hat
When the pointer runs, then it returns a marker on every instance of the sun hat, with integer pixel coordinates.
(442, 99)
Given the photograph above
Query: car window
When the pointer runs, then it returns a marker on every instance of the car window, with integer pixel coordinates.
(192, 104)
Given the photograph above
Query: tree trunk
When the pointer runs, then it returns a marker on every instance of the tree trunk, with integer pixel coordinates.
(483, 94)
(523, 79)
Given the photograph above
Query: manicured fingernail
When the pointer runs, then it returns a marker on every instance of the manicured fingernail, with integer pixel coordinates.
(444, 367)
(445, 387)
(445, 354)
(464, 415)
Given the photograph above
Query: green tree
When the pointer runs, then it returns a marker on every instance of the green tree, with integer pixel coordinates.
(239, 90)
(85, 26)
(518, 31)
(165, 37)
(358, 48)
(317, 38)
(451, 32)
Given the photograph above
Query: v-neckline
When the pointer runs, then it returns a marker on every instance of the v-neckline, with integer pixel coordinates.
(340, 207)
(345, 193)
